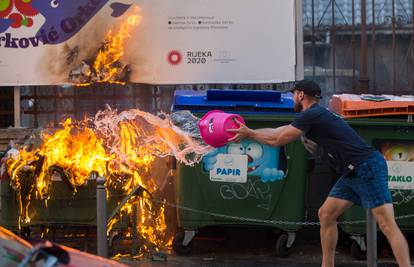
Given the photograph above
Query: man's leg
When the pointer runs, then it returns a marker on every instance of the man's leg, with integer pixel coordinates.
(385, 217)
(331, 209)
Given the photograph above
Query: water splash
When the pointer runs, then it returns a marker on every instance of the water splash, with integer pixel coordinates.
(164, 135)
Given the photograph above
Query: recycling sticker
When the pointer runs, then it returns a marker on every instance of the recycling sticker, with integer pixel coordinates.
(400, 175)
(230, 168)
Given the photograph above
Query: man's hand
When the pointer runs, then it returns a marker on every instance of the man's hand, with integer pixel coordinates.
(242, 132)
(270, 136)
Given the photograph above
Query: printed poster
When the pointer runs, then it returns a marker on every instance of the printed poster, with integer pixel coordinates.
(45, 42)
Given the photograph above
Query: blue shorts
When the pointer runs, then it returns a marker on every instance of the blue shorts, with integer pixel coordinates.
(367, 186)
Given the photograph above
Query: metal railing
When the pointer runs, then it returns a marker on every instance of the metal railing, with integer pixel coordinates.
(360, 46)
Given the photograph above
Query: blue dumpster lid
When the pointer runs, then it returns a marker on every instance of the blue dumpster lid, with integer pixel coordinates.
(244, 95)
(235, 101)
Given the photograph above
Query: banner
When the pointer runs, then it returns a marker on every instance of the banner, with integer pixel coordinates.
(44, 42)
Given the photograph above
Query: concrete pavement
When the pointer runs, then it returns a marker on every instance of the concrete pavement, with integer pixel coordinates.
(174, 261)
(255, 247)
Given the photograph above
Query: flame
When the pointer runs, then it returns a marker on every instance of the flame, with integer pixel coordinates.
(77, 150)
(120, 146)
(134, 20)
(105, 65)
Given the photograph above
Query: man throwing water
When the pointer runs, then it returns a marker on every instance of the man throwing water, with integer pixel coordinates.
(363, 169)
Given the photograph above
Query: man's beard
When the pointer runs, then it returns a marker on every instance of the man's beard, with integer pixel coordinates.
(298, 107)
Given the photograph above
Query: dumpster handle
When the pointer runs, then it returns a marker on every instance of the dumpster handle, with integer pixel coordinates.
(138, 190)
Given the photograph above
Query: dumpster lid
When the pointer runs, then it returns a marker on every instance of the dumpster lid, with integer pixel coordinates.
(356, 106)
(236, 101)
(244, 95)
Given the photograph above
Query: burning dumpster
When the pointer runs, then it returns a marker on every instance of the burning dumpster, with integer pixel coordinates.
(55, 181)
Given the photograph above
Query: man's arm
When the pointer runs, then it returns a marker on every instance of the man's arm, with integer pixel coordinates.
(270, 136)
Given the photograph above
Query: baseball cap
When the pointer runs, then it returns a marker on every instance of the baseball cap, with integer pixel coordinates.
(309, 87)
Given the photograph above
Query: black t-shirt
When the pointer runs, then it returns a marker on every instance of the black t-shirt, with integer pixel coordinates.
(343, 145)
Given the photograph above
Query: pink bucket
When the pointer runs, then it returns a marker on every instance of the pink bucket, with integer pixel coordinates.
(214, 124)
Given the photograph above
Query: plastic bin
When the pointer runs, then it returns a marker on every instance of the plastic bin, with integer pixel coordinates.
(64, 207)
(394, 137)
(213, 194)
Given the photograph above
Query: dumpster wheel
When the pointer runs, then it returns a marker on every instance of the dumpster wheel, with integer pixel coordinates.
(114, 241)
(357, 252)
(281, 246)
(178, 246)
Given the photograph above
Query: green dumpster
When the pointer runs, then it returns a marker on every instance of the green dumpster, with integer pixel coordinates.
(270, 188)
(394, 138)
(9, 215)
(63, 206)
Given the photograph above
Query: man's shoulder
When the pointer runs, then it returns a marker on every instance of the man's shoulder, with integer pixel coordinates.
(315, 111)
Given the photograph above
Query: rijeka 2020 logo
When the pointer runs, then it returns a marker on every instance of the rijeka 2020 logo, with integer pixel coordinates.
(63, 19)
(174, 57)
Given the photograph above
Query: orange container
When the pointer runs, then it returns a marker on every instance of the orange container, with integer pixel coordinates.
(354, 106)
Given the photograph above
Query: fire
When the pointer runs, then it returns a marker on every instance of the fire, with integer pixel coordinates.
(120, 146)
(106, 64)
(72, 151)
(134, 20)
(77, 150)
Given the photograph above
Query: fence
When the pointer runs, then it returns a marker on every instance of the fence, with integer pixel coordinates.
(360, 46)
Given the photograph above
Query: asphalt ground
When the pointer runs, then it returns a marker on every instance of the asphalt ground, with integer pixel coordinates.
(241, 246)
(232, 247)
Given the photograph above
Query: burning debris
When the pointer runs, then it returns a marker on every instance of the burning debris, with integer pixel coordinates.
(106, 65)
(85, 75)
(119, 146)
